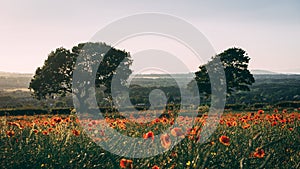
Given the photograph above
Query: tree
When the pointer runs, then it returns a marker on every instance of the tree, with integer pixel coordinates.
(235, 64)
(55, 77)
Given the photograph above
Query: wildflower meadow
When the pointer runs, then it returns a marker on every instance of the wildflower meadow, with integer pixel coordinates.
(256, 139)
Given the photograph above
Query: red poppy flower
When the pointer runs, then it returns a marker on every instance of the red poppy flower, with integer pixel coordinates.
(172, 122)
(150, 134)
(259, 153)
(177, 132)
(224, 140)
(165, 141)
(228, 123)
(46, 123)
(274, 123)
(76, 132)
(67, 120)
(124, 163)
(191, 131)
(10, 133)
(52, 124)
(155, 167)
(15, 124)
(260, 112)
(35, 131)
(45, 132)
(157, 120)
(164, 120)
(246, 126)
(57, 119)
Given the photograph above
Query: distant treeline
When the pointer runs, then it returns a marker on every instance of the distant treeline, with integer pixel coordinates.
(268, 90)
(17, 112)
(281, 90)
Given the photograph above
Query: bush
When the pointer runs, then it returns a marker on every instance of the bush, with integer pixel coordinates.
(235, 106)
(288, 104)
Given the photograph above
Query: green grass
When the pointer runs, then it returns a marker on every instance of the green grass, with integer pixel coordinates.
(61, 148)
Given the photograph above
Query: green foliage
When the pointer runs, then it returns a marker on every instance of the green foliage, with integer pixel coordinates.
(235, 63)
(33, 111)
(55, 77)
(268, 90)
(290, 104)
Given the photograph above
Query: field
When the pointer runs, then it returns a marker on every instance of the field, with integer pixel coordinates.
(257, 139)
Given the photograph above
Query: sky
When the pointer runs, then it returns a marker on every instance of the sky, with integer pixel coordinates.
(268, 30)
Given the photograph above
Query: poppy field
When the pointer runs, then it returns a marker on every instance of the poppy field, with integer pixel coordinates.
(257, 139)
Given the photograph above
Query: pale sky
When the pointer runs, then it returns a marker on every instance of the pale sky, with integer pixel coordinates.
(269, 30)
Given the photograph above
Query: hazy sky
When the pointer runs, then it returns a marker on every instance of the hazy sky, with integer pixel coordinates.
(268, 30)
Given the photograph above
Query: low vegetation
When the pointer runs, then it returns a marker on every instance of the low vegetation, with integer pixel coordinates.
(257, 139)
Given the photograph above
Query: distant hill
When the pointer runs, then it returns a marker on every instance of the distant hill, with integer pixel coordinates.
(14, 81)
(13, 74)
(291, 71)
(262, 72)
(17, 81)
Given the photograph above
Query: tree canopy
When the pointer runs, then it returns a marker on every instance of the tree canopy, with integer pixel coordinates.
(235, 64)
(55, 77)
